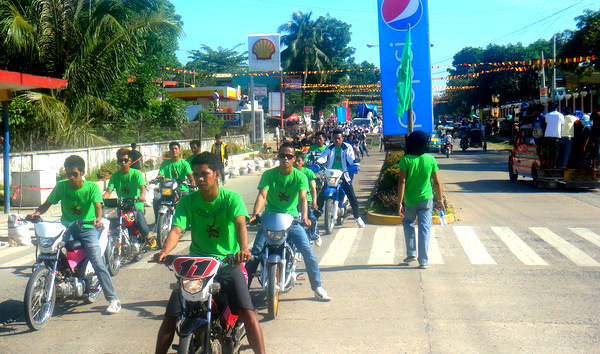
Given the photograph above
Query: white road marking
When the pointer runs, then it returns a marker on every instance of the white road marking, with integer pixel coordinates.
(472, 245)
(568, 250)
(5, 252)
(433, 253)
(383, 248)
(339, 248)
(587, 234)
(518, 247)
(20, 262)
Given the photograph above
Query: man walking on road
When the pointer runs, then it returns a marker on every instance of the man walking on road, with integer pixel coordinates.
(220, 149)
(415, 195)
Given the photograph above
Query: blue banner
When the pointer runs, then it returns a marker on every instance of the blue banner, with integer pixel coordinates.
(341, 114)
(394, 18)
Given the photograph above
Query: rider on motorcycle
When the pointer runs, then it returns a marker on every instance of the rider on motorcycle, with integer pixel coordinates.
(311, 198)
(81, 200)
(176, 168)
(317, 147)
(339, 156)
(217, 218)
(129, 183)
(284, 190)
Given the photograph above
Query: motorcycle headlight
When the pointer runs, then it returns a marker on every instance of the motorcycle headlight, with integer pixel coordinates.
(46, 242)
(275, 235)
(167, 191)
(331, 180)
(193, 286)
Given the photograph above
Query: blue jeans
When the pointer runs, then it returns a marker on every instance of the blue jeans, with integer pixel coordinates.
(423, 211)
(89, 239)
(565, 151)
(300, 239)
(313, 232)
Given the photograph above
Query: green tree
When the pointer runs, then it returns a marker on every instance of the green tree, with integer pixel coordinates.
(222, 60)
(91, 44)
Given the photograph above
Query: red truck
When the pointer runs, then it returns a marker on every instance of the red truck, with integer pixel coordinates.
(525, 161)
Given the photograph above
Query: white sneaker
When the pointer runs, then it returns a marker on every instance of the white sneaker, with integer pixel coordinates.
(114, 306)
(319, 242)
(360, 222)
(321, 294)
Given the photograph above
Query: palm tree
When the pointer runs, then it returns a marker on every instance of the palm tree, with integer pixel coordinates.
(90, 43)
(303, 38)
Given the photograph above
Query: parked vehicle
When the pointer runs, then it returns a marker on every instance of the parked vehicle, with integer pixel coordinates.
(336, 206)
(62, 271)
(525, 161)
(206, 324)
(278, 259)
(125, 243)
(169, 192)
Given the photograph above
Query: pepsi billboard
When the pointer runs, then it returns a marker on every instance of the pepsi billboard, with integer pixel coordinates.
(394, 18)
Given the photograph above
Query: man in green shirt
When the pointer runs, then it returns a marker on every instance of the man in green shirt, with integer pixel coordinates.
(81, 200)
(129, 183)
(176, 168)
(415, 195)
(217, 219)
(311, 198)
(195, 147)
(315, 150)
(284, 189)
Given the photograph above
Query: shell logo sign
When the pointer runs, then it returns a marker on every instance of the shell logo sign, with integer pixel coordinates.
(264, 52)
(264, 49)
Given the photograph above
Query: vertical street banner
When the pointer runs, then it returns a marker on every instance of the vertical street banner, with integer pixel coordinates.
(394, 18)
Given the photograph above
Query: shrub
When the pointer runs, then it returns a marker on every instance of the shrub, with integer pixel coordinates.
(105, 170)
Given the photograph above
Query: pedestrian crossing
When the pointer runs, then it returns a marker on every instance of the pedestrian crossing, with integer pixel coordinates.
(449, 245)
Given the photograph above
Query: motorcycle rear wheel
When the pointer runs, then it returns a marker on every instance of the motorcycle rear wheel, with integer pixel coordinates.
(39, 305)
(163, 227)
(329, 221)
(272, 292)
(113, 257)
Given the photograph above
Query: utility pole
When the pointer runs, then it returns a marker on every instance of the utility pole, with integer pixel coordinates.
(554, 96)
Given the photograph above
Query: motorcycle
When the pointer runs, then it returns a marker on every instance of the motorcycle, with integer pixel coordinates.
(206, 324)
(125, 243)
(336, 205)
(447, 149)
(278, 258)
(61, 272)
(169, 192)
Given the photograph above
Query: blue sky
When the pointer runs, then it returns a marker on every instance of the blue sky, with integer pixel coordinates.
(454, 24)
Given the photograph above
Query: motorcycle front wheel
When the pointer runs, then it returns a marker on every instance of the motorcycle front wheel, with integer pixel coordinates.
(163, 227)
(272, 291)
(113, 254)
(195, 342)
(39, 304)
(329, 221)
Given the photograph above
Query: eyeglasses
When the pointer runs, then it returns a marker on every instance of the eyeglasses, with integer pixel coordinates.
(124, 160)
(286, 156)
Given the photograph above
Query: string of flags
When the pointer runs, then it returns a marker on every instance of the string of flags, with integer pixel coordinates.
(523, 63)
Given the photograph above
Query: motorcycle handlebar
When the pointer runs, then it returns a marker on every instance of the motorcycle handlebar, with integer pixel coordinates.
(169, 259)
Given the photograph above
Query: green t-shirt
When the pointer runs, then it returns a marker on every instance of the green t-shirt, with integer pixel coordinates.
(189, 159)
(76, 204)
(176, 170)
(418, 177)
(315, 147)
(213, 230)
(283, 190)
(310, 176)
(337, 159)
(128, 185)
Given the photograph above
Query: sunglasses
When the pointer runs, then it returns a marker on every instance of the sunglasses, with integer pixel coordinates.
(73, 174)
(124, 160)
(287, 156)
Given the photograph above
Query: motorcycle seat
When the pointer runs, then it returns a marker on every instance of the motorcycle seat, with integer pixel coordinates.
(73, 245)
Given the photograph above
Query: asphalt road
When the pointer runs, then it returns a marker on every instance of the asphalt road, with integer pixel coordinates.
(518, 271)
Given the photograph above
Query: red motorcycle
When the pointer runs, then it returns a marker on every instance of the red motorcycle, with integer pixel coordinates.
(125, 242)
